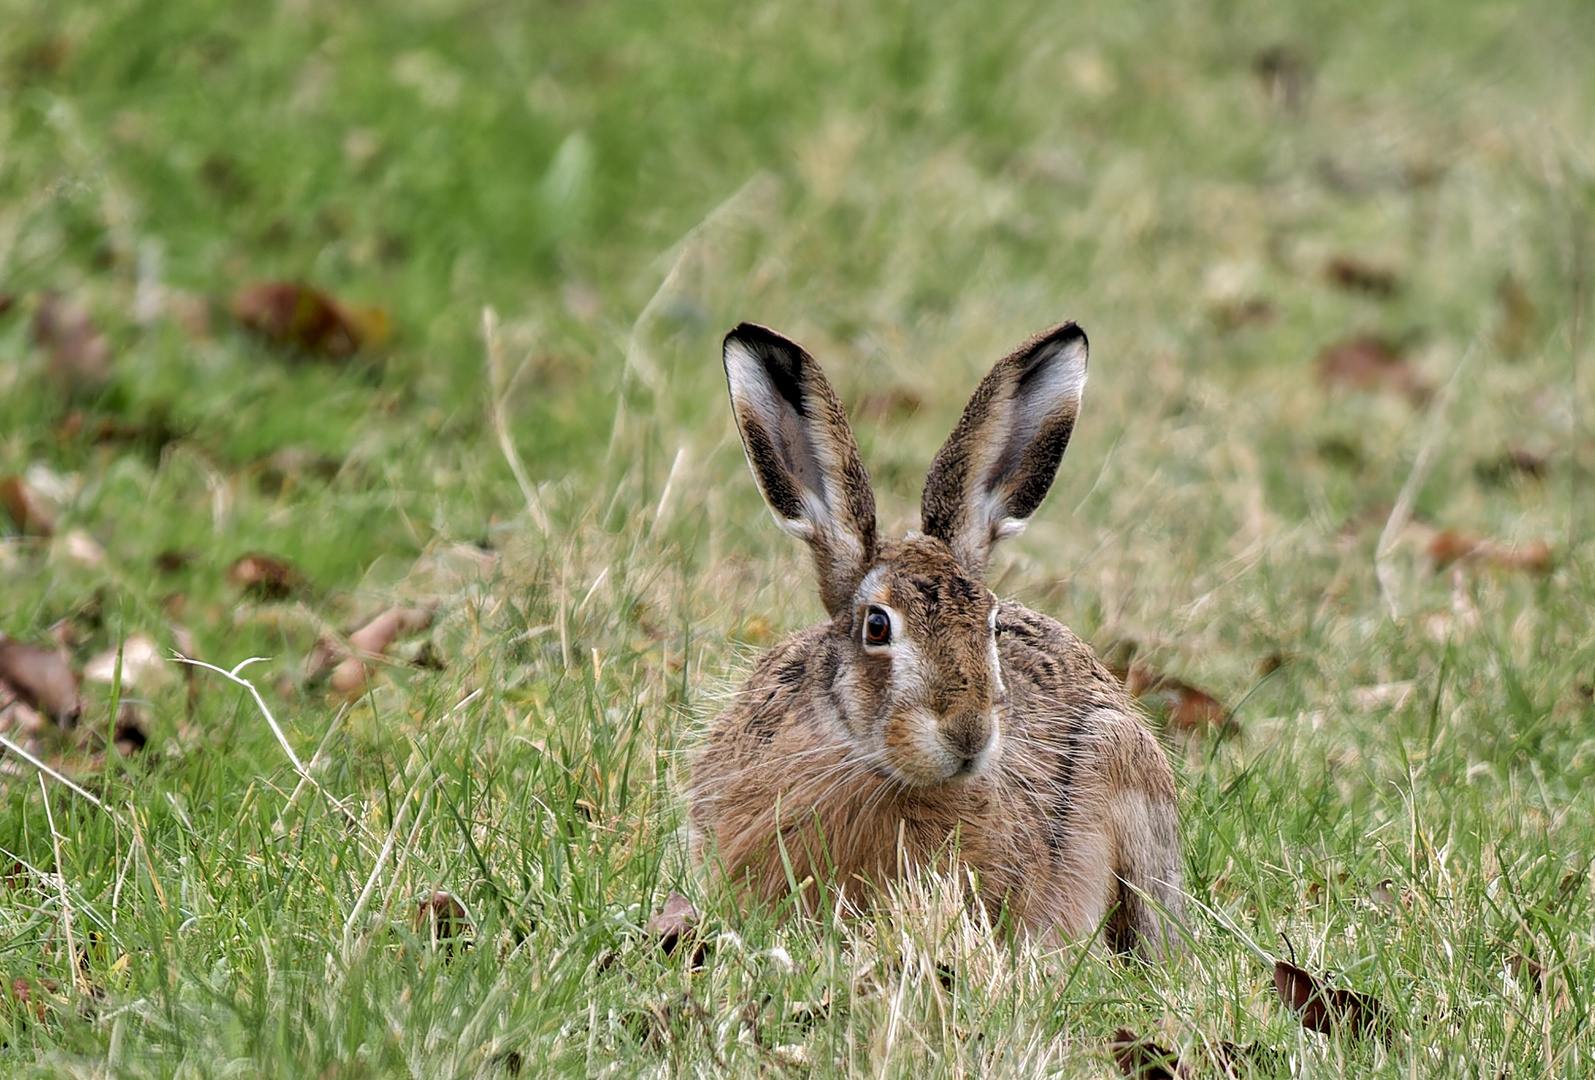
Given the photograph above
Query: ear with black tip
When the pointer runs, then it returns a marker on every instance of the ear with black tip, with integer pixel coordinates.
(999, 462)
(803, 455)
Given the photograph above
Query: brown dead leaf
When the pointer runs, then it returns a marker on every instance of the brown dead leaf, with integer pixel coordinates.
(1286, 74)
(891, 403)
(1183, 706)
(1518, 317)
(265, 577)
(142, 664)
(677, 922)
(441, 919)
(32, 514)
(370, 642)
(171, 560)
(1369, 362)
(42, 678)
(1386, 897)
(7, 302)
(21, 996)
(191, 311)
(1530, 973)
(1354, 275)
(1515, 463)
(1252, 311)
(295, 316)
(1143, 1059)
(80, 357)
(1327, 1010)
(1450, 545)
(130, 733)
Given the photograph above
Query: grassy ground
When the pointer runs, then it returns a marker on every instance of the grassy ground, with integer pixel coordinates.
(910, 189)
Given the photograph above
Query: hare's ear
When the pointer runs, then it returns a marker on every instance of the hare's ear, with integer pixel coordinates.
(997, 465)
(803, 455)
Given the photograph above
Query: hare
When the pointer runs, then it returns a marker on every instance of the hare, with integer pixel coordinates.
(928, 715)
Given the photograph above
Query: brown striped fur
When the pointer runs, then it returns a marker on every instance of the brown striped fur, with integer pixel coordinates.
(982, 726)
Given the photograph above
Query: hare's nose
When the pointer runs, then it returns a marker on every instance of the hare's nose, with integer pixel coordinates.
(967, 734)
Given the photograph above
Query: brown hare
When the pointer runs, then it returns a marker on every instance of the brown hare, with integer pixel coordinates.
(928, 715)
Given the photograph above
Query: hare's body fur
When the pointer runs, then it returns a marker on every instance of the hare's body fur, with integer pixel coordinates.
(926, 718)
(1050, 828)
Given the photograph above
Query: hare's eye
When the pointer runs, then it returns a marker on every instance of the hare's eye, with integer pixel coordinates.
(877, 627)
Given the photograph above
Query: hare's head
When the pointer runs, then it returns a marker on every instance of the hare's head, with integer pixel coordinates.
(913, 633)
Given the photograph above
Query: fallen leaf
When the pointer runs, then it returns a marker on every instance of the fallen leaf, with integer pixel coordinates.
(32, 514)
(370, 642)
(1272, 663)
(1388, 898)
(265, 577)
(142, 663)
(890, 403)
(191, 311)
(1239, 1059)
(1186, 707)
(1355, 275)
(1182, 705)
(1143, 1059)
(1518, 317)
(280, 473)
(1252, 311)
(1449, 545)
(83, 548)
(172, 560)
(130, 733)
(675, 923)
(42, 678)
(1514, 463)
(1526, 971)
(442, 920)
(1286, 74)
(20, 997)
(1327, 1010)
(80, 357)
(293, 315)
(1368, 362)
(7, 302)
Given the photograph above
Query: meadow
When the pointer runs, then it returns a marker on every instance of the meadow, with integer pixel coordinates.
(1330, 505)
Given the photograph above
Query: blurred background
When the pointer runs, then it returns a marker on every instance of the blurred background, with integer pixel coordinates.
(1283, 227)
(1330, 494)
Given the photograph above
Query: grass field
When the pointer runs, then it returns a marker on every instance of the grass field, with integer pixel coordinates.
(1217, 191)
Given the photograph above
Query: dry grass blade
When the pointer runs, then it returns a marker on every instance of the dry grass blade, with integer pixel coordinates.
(497, 415)
(276, 730)
(1401, 513)
(54, 775)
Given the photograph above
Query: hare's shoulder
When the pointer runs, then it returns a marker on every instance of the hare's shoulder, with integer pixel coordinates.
(1039, 646)
(1041, 656)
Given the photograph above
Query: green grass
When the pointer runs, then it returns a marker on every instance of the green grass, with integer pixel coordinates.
(910, 189)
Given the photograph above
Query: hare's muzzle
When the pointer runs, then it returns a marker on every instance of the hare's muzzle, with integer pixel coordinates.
(969, 737)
